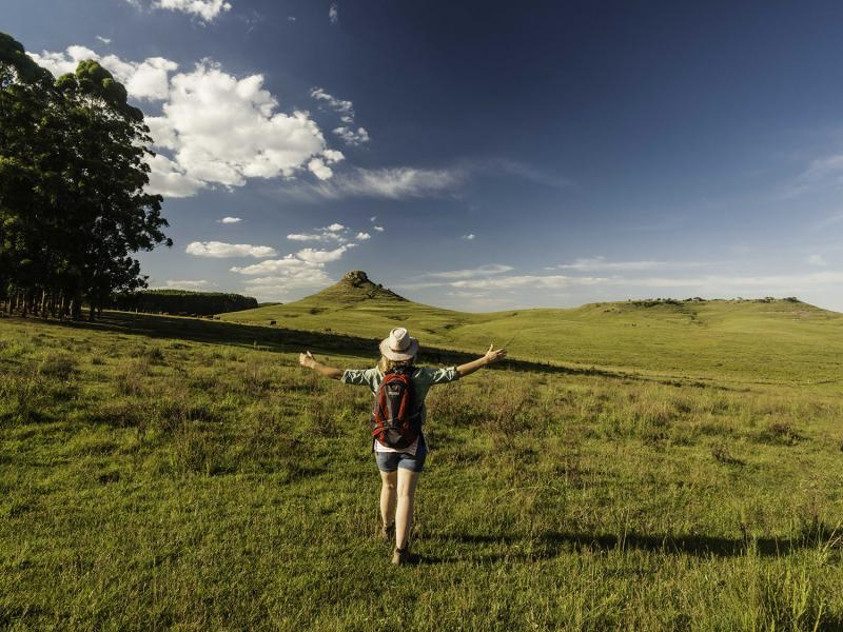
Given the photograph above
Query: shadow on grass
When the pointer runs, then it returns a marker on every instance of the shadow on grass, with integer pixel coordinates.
(281, 339)
(553, 544)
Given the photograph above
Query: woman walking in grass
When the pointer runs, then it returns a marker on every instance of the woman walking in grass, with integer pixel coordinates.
(399, 413)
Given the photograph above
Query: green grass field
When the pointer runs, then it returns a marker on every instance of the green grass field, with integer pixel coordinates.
(672, 467)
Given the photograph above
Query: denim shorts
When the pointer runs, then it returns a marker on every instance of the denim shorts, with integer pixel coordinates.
(391, 461)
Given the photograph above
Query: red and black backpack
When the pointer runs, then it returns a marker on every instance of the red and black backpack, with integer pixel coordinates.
(396, 418)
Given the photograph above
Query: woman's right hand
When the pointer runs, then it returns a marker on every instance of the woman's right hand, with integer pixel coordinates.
(307, 360)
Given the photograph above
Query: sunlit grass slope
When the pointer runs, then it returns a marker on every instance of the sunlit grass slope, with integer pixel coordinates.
(171, 473)
(764, 340)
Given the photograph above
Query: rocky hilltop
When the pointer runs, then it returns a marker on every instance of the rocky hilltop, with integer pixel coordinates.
(356, 286)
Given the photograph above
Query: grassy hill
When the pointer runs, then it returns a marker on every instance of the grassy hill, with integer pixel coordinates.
(768, 340)
(176, 473)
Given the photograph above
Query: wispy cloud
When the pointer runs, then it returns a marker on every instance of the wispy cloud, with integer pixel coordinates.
(469, 237)
(816, 260)
(334, 13)
(230, 220)
(600, 264)
(821, 172)
(390, 183)
(484, 270)
(104, 40)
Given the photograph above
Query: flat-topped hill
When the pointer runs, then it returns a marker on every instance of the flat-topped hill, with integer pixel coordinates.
(768, 338)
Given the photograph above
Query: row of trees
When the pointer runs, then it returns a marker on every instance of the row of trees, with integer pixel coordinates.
(72, 174)
(183, 302)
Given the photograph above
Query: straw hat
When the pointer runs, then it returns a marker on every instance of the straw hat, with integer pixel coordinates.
(399, 345)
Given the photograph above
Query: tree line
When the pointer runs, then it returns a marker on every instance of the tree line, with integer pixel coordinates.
(73, 169)
(183, 302)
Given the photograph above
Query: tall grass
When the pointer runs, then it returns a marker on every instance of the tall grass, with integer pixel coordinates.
(153, 484)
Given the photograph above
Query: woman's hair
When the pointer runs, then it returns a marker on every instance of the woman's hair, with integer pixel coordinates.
(385, 364)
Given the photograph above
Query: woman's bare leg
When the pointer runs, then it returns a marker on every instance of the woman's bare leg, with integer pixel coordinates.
(407, 482)
(388, 480)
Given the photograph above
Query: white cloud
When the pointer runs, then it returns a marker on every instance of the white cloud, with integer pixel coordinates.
(530, 281)
(224, 130)
(324, 234)
(188, 284)
(334, 13)
(820, 172)
(318, 168)
(217, 129)
(600, 264)
(373, 218)
(484, 270)
(207, 10)
(378, 228)
(816, 260)
(219, 249)
(104, 40)
(351, 137)
(391, 183)
(469, 237)
(146, 80)
(230, 220)
(718, 285)
(323, 256)
(169, 179)
(337, 105)
(361, 236)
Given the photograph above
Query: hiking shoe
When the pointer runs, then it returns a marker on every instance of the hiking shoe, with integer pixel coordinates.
(400, 557)
(387, 533)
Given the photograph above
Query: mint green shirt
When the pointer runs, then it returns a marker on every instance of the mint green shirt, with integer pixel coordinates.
(422, 379)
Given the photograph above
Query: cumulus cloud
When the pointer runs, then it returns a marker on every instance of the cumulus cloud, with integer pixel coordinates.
(230, 220)
(219, 250)
(169, 179)
(469, 237)
(205, 10)
(104, 40)
(304, 269)
(145, 80)
(345, 109)
(378, 228)
(337, 105)
(351, 137)
(216, 129)
(334, 233)
(361, 236)
(323, 256)
(223, 129)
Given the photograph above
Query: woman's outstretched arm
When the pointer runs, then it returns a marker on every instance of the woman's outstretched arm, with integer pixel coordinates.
(307, 360)
(492, 355)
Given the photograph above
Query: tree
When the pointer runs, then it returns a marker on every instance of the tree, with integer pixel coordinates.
(72, 175)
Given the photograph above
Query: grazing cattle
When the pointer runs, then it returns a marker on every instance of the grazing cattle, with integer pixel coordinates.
(271, 322)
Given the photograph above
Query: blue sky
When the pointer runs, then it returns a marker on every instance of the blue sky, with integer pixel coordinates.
(481, 155)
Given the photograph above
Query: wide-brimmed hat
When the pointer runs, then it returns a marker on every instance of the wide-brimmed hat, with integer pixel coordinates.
(399, 345)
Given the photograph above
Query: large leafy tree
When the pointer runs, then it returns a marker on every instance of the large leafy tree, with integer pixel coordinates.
(73, 209)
